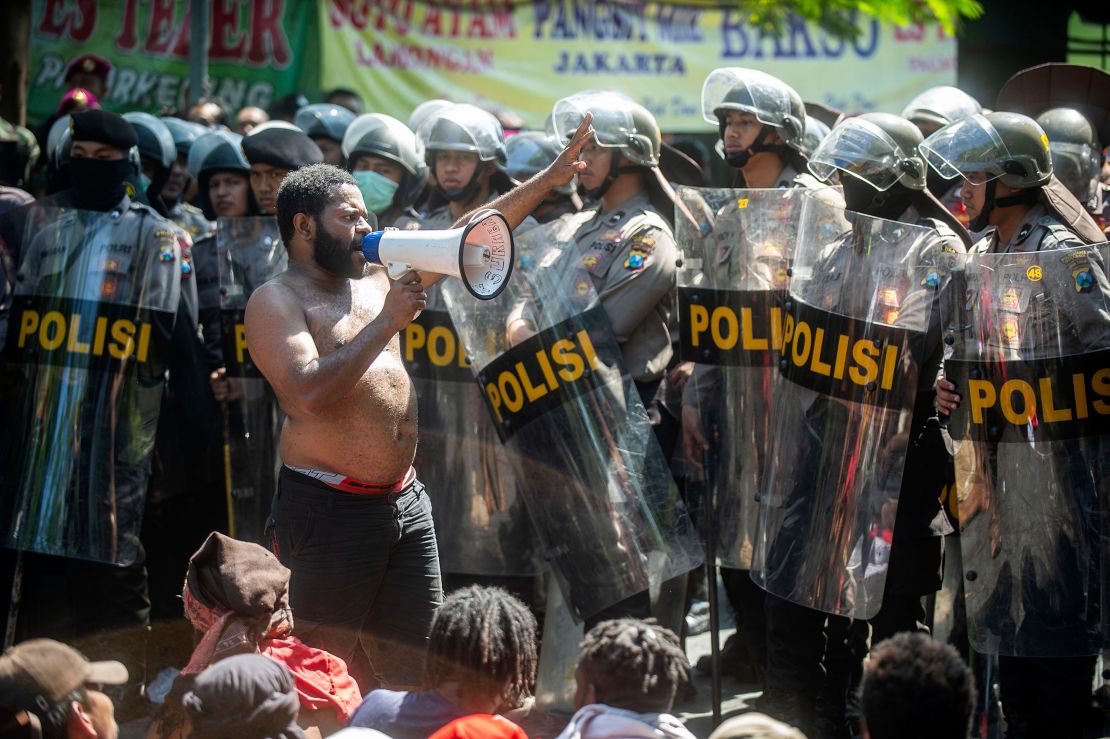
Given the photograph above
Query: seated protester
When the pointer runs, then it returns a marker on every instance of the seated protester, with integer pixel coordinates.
(916, 687)
(755, 726)
(236, 595)
(481, 658)
(628, 673)
(386, 161)
(480, 726)
(243, 696)
(45, 692)
(326, 124)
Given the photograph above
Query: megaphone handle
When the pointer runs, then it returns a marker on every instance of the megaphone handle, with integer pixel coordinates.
(396, 269)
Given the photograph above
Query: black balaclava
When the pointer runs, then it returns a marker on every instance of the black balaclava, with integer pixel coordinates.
(863, 198)
(99, 184)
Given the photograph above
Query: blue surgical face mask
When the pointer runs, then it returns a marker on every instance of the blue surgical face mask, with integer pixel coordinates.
(144, 182)
(377, 190)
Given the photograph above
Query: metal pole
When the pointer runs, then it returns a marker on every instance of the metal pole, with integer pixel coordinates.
(198, 50)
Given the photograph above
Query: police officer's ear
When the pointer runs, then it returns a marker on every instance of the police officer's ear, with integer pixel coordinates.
(304, 226)
(773, 137)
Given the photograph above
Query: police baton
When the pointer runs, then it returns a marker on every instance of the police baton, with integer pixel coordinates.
(710, 519)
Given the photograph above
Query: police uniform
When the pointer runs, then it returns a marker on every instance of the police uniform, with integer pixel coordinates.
(191, 219)
(134, 257)
(1049, 694)
(629, 255)
(803, 641)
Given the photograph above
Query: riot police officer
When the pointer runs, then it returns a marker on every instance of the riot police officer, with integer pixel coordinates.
(70, 598)
(464, 147)
(387, 161)
(158, 155)
(274, 150)
(1005, 164)
(761, 123)
(931, 110)
(1071, 102)
(883, 174)
(180, 188)
(529, 153)
(326, 124)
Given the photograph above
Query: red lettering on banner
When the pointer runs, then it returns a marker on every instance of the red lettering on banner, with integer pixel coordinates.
(127, 37)
(181, 47)
(227, 41)
(916, 32)
(266, 24)
(159, 30)
(475, 19)
(75, 22)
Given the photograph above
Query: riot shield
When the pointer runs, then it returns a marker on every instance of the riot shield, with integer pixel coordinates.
(84, 369)
(1030, 356)
(731, 285)
(481, 525)
(593, 479)
(854, 325)
(250, 253)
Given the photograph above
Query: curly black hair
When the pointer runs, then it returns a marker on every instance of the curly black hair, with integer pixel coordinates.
(307, 190)
(632, 664)
(915, 687)
(485, 639)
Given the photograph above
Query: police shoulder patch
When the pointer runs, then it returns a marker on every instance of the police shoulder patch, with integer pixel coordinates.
(639, 249)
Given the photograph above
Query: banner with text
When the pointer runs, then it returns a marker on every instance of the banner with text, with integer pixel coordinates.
(523, 56)
(259, 50)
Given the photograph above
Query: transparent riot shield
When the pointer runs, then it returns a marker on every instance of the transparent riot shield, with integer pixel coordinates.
(250, 253)
(1030, 356)
(854, 325)
(481, 525)
(93, 308)
(592, 476)
(731, 286)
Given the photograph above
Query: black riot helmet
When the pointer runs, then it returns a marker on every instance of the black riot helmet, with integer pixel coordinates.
(158, 150)
(219, 151)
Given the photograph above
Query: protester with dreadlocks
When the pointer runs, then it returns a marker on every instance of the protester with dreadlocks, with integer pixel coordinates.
(628, 673)
(481, 658)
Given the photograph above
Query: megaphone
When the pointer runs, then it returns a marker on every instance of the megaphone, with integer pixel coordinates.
(481, 253)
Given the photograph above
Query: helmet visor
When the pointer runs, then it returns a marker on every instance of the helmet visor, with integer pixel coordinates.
(1078, 167)
(464, 127)
(612, 122)
(747, 91)
(861, 149)
(966, 147)
(323, 120)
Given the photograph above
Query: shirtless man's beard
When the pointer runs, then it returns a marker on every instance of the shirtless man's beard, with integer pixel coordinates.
(334, 256)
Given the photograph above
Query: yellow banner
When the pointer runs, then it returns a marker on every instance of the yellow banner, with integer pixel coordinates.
(523, 57)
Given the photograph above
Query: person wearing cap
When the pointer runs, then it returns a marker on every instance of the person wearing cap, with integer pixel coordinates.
(325, 124)
(274, 150)
(247, 695)
(176, 193)
(388, 163)
(49, 690)
(89, 72)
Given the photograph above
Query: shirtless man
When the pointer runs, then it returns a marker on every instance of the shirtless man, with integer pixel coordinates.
(352, 521)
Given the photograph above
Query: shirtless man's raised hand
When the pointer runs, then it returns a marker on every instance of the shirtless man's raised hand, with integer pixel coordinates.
(351, 521)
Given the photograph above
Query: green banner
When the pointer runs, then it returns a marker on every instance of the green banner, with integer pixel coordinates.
(259, 50)
(524, 56)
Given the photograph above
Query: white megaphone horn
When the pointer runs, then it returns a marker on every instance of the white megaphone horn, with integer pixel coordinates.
(481, 253)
